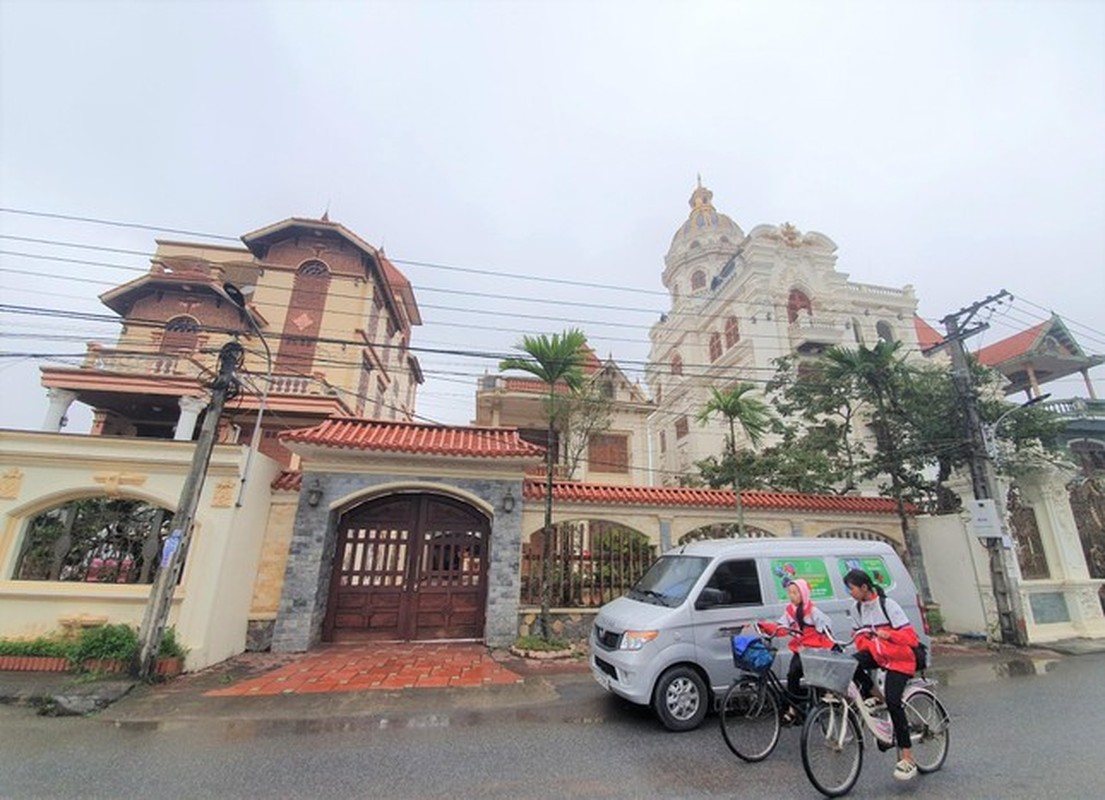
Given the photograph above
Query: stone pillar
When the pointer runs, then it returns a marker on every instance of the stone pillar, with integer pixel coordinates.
(60, 400)
(665, 535)
(1067, 604)
(190, 408)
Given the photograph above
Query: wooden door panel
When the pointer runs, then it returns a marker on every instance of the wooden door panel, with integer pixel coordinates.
(409, 567)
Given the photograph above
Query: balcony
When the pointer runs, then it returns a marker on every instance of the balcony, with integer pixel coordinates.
(812, 334)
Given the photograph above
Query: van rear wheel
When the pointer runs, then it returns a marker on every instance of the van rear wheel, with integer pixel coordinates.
(680, 699)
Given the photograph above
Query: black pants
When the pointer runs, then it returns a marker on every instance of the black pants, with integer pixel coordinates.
(794, 676)
(892, 689)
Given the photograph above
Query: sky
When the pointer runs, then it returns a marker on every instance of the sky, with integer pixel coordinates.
(527, 163)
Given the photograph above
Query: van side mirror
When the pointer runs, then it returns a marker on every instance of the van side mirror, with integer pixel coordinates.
(710, 597)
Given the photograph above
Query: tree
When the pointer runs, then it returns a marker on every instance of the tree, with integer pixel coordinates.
(555, 360)
(580, 416)
(751, 414)
(879, 377)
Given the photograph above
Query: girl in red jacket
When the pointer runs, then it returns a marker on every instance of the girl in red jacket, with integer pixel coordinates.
(888, 643)
(812, 627)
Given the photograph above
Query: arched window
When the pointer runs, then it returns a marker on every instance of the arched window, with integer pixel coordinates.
(181, 335)
(884, 331)
(732, 331)
(715, 346)
(677, 364)
(698, 280)
(301, 327)
(797, 303)
(95, 540)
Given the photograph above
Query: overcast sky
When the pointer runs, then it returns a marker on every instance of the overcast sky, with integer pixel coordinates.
(953, 147)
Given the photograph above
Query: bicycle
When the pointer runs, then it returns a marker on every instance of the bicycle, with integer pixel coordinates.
(751, 711)
(832, 738)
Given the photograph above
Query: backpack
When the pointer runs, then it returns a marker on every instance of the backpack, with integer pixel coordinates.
(920, 650)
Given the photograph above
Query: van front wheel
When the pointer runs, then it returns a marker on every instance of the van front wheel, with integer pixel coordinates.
(680, 699)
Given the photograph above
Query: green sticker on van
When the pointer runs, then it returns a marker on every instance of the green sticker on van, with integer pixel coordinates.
(811, 570)
(875, 567)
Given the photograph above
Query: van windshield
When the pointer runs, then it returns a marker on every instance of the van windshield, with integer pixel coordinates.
(669, 580)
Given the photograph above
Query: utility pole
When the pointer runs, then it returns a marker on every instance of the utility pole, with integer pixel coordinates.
(983, 479)
(176, 545)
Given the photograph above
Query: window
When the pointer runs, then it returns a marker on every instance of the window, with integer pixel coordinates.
(181, 335)
(608, 453)
(663, 442)
(737, 583)
(1090, 455)
(732, 331)
(715, 346)
(681, 428)
(304, 318)
(94, 540)
(796, 304)
(677, 364)
(884, 331)
(698, 280)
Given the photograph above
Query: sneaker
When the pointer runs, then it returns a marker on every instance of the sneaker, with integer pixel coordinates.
(872, 702)
(905, 770)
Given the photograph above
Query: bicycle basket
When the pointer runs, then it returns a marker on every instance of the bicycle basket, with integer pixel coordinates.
(752, 654)
(828, 670)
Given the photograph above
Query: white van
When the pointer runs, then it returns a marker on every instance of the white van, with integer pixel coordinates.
(665, 643)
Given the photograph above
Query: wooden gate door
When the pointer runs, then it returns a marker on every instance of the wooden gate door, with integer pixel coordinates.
(409, 567)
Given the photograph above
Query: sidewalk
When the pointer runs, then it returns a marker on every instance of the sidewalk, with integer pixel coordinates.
(406, 684)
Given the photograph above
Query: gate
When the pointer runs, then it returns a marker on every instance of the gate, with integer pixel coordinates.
(407, 567)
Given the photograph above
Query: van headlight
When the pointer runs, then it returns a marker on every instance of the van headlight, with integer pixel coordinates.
(635, 640)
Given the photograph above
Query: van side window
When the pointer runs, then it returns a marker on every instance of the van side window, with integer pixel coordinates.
(739, 582)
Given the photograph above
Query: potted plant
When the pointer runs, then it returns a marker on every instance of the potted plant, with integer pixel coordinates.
(170, 655)
(106, 648)
(43, 654)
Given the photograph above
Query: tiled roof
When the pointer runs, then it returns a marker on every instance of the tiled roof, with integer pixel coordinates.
(287, 481)
(1016, 345)
(569, 491)
(668, 496)
(927, 336)
(410, 437)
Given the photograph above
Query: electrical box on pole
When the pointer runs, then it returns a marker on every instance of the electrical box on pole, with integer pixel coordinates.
(983, 480)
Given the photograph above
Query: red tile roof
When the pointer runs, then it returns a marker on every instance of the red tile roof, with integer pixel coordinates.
(410, 437)
(927, 336)
(572, 492)
(287, 481)
(668, 496)
(1016, 345)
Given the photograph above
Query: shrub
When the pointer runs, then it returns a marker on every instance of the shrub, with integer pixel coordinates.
(106, 642)
(537, 643)
(42, 646)
(170, 646)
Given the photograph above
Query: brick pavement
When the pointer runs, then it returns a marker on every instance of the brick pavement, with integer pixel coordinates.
(361, 667)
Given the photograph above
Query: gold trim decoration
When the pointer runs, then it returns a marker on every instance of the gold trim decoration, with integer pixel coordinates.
(10, 483)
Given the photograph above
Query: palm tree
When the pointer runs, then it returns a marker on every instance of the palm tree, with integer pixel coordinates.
(754, 418)
(878, 375)
(555, 360)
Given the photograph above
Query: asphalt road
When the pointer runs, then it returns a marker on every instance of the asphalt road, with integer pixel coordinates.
(1031, 736)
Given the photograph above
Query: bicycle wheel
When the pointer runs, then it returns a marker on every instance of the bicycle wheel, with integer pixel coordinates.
(750, 720)
(928, 729)
(832, 749)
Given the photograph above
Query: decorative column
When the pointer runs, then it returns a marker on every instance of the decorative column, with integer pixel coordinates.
(60, 400)
(1067, 604)
(190, 408)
